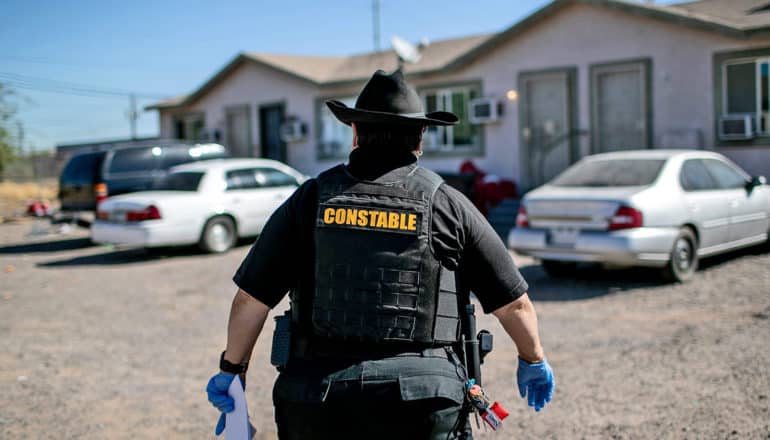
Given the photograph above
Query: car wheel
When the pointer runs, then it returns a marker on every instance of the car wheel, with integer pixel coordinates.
(218, 235)
(683, 260)
(558, 269)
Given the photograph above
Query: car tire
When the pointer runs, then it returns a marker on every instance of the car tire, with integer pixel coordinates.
(559, 269)
(683, 259)
(218, 235)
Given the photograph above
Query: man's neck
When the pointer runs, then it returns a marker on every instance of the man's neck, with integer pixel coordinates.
(371, 163)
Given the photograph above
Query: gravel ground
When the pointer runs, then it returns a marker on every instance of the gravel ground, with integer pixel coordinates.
(103, 343)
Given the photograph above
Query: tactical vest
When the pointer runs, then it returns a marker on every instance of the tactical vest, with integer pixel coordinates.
(376, 278)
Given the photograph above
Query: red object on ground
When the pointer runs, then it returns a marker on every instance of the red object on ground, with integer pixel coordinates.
(38, 208)
(488, 190)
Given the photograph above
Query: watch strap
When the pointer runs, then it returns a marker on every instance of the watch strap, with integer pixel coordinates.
(229, 367)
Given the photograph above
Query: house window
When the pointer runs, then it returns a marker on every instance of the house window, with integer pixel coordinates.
(746, 91)
(334, 137)
(463, 137)
(190, 127)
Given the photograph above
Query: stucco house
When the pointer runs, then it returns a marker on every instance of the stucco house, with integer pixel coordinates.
(574, 78)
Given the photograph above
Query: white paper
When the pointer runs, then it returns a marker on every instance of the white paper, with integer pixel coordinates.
(237, 421)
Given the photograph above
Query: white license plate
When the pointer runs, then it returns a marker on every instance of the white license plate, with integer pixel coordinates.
(564, 236)
(118, 216)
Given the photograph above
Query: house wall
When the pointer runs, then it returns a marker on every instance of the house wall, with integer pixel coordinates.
(578, 36)
(581, 35)
(256, 85)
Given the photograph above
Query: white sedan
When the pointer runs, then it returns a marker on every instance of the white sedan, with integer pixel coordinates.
(211, 203)
(656, 208)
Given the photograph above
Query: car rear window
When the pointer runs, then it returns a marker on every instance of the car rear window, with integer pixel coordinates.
(83, 168)
(611, 172)
(134, 159)
(182, 181)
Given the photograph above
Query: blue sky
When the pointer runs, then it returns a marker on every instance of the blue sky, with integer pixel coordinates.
(167, 48)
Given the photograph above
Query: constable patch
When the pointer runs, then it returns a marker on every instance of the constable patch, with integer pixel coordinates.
(371, 219)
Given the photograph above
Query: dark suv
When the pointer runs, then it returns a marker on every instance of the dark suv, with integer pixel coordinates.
(88, 178)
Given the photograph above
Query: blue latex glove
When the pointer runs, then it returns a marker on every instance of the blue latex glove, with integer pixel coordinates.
(217, 392)
(535, 383)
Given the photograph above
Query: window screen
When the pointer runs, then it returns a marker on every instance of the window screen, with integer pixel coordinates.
(463, 135)
(741, 88)
(334, 137)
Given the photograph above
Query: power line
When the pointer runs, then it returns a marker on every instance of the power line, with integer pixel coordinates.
(53, 62)
(56, 86)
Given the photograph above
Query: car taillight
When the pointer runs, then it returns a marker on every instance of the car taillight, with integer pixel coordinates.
(522, 221)
(149, 213)
(625, 218)
(100, 191)
(102, 215)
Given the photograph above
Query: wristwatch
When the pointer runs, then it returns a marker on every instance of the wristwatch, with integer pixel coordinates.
(229, 367)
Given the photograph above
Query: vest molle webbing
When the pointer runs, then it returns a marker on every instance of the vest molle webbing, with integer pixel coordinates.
(376, 279)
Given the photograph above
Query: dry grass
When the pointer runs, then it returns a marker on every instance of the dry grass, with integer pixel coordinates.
(14, 196)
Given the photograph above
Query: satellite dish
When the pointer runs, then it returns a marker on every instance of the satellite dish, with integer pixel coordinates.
(406, 51)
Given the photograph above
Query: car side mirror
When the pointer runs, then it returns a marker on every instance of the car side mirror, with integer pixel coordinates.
(755, 182)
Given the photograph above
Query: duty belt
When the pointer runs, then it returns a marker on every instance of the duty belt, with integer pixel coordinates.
(328, 350)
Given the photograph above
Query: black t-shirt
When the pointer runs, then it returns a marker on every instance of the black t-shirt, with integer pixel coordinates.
(461, 238)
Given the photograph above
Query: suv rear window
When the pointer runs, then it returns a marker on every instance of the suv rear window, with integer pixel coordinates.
(611, 172)
(83, 168)
(134, 159)
(182, 181)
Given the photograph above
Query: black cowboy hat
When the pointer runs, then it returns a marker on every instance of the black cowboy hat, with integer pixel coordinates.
(388, 99)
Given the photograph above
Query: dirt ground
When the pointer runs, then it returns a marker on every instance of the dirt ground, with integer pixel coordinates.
(99, 343)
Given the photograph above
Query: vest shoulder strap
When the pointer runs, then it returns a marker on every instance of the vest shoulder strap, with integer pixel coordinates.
(429, 180)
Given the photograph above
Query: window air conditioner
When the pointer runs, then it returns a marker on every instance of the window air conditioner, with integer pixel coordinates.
(484, 111)
(293, 130)
(736, 127)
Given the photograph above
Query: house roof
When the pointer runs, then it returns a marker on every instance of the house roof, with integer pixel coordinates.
(746, 15)
(319, 70)
(735, 18)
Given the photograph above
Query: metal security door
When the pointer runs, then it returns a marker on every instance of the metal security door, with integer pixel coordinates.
(546, 125)
(238, 134)
(270, 119)
(620, 107)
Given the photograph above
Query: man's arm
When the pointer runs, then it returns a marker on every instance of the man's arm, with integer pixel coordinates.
(247, 316)
(520, 322)
(534, 376)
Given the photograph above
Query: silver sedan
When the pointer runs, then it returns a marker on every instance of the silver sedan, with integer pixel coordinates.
(655, 208)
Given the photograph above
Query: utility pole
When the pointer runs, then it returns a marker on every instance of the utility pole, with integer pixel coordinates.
(20, 128)
(376, 24)
(133, 115)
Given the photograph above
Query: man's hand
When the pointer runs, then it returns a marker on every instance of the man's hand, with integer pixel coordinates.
(535, 383)
(218, 396)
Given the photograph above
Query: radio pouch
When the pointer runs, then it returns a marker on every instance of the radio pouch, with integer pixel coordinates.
(279, 355)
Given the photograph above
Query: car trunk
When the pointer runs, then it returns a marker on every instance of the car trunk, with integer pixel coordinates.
(576, 207)
(115, 209)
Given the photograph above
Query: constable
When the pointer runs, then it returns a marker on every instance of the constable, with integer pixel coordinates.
(370, 251)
